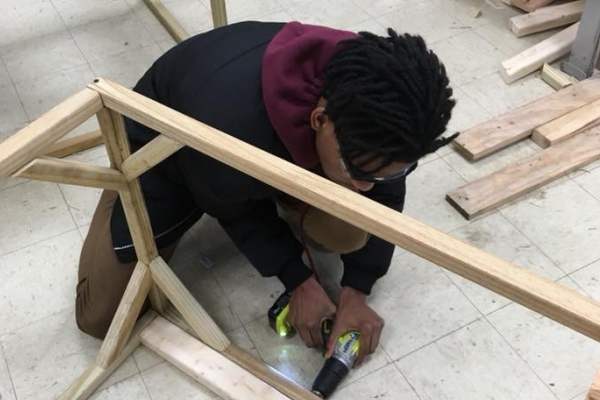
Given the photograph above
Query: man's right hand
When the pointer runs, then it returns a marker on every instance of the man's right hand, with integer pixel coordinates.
(309, 305)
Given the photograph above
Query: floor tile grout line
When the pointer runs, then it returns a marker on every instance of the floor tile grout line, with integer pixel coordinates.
(68, 208)
(14, 389)
(14, 86)
(27, 325)
(412, 386)
(38, 242)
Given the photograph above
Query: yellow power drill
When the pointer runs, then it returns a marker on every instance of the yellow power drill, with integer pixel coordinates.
(344, 355)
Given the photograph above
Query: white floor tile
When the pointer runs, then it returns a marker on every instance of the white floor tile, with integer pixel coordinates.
(419, 304)
(468, 57)
(165, 382)
(102, 39)
(5, 79)
(38, 281)
(333, 13)
(41, 94)
(193, 15)
(149, 20)
(290, 356)
(497, 236)
(491, 11)
(6, 387)
(500, 36)
(466, 113)
(12, 113)
(241, 10)
(277, 16)
(41, 56)
(590, 182)
(30, 213)
(23, 20)
(166, 45)
(424, 19)
(370, 25)
(562, 221)
(131, 388)
(564, 359)
(377, 8)
(506, 97)
(386, 383)
(127, 68)
(588, 278)
(425, 195)
(472, 363)
(81, 12)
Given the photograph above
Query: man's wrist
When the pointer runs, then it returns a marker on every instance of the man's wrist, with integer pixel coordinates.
(350, 292)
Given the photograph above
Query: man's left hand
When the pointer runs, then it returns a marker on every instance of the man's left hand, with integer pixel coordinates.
(353, 313)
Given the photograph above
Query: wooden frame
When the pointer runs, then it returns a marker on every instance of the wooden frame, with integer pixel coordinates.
(109, 101)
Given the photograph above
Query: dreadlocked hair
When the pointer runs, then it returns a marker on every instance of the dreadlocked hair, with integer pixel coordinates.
(388, 97)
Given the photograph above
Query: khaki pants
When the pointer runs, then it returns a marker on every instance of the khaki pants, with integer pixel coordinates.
(103, 278)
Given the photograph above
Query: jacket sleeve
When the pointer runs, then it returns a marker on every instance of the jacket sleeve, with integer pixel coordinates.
(364, 267)
(267, 242)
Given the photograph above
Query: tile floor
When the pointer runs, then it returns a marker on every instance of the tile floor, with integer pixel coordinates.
(445, 338)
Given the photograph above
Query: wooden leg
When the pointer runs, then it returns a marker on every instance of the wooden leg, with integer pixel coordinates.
(219, 13)
(126, 315)
(148, 156)
(95, 375)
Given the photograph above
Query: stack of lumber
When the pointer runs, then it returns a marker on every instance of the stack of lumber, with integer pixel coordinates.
(564, 124)
(541, 17)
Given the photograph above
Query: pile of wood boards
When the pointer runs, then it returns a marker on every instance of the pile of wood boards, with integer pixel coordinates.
(541, 17)
(564, 124)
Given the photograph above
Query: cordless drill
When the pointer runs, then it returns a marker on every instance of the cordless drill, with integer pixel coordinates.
(338, 365)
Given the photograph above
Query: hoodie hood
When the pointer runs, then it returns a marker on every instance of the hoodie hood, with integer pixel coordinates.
(292, 79)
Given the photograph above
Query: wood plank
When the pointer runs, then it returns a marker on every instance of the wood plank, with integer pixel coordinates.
(553, 300)
(567, 126)
(127, 313)
(72, 173)
(509, 183)
(534, 58)
(31, 141)
(530, 5)
(490, 136)
(83, 387)
(198, 319)
(546, 18)
(148, 156)
(205, 365)
(219, 13)
(248, 362)
(594, 392)
(113, 130)
(75, 144)
(556, 78)
(167, 20)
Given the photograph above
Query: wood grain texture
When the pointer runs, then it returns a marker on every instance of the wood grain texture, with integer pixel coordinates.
(509, 183)
(167, 20)
(495, 134)
(198, 319)
(568, 125)
(127, 313)
(556, 78)
(530, 5)
(83, 387)
(72, 173)
(594, 391)
(75, 144)
(205, 365)
(148, 156)
(555, 301)
(32, 141)
(546, 18)
(535, 57)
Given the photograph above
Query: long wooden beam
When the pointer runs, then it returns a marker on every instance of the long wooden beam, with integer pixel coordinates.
(148, 156)
(497, 133)
(195, 315)
(75, 144)
(72, 173)
(535, 57)
(167, 20)
(31, 141)
(95, 375)
(555, 301)
(219, 13)
(205, 365)
(546, 18)
(530, 5)
(568, 125)
(524, 176)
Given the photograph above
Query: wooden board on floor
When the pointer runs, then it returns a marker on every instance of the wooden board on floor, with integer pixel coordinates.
(499, 188)
(546, 18)
(205, 365)
(497, 133)
(535, 57)
(556, 78)
(567, 126)
(530, 5)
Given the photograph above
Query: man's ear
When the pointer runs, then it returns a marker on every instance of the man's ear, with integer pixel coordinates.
(318, 119)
